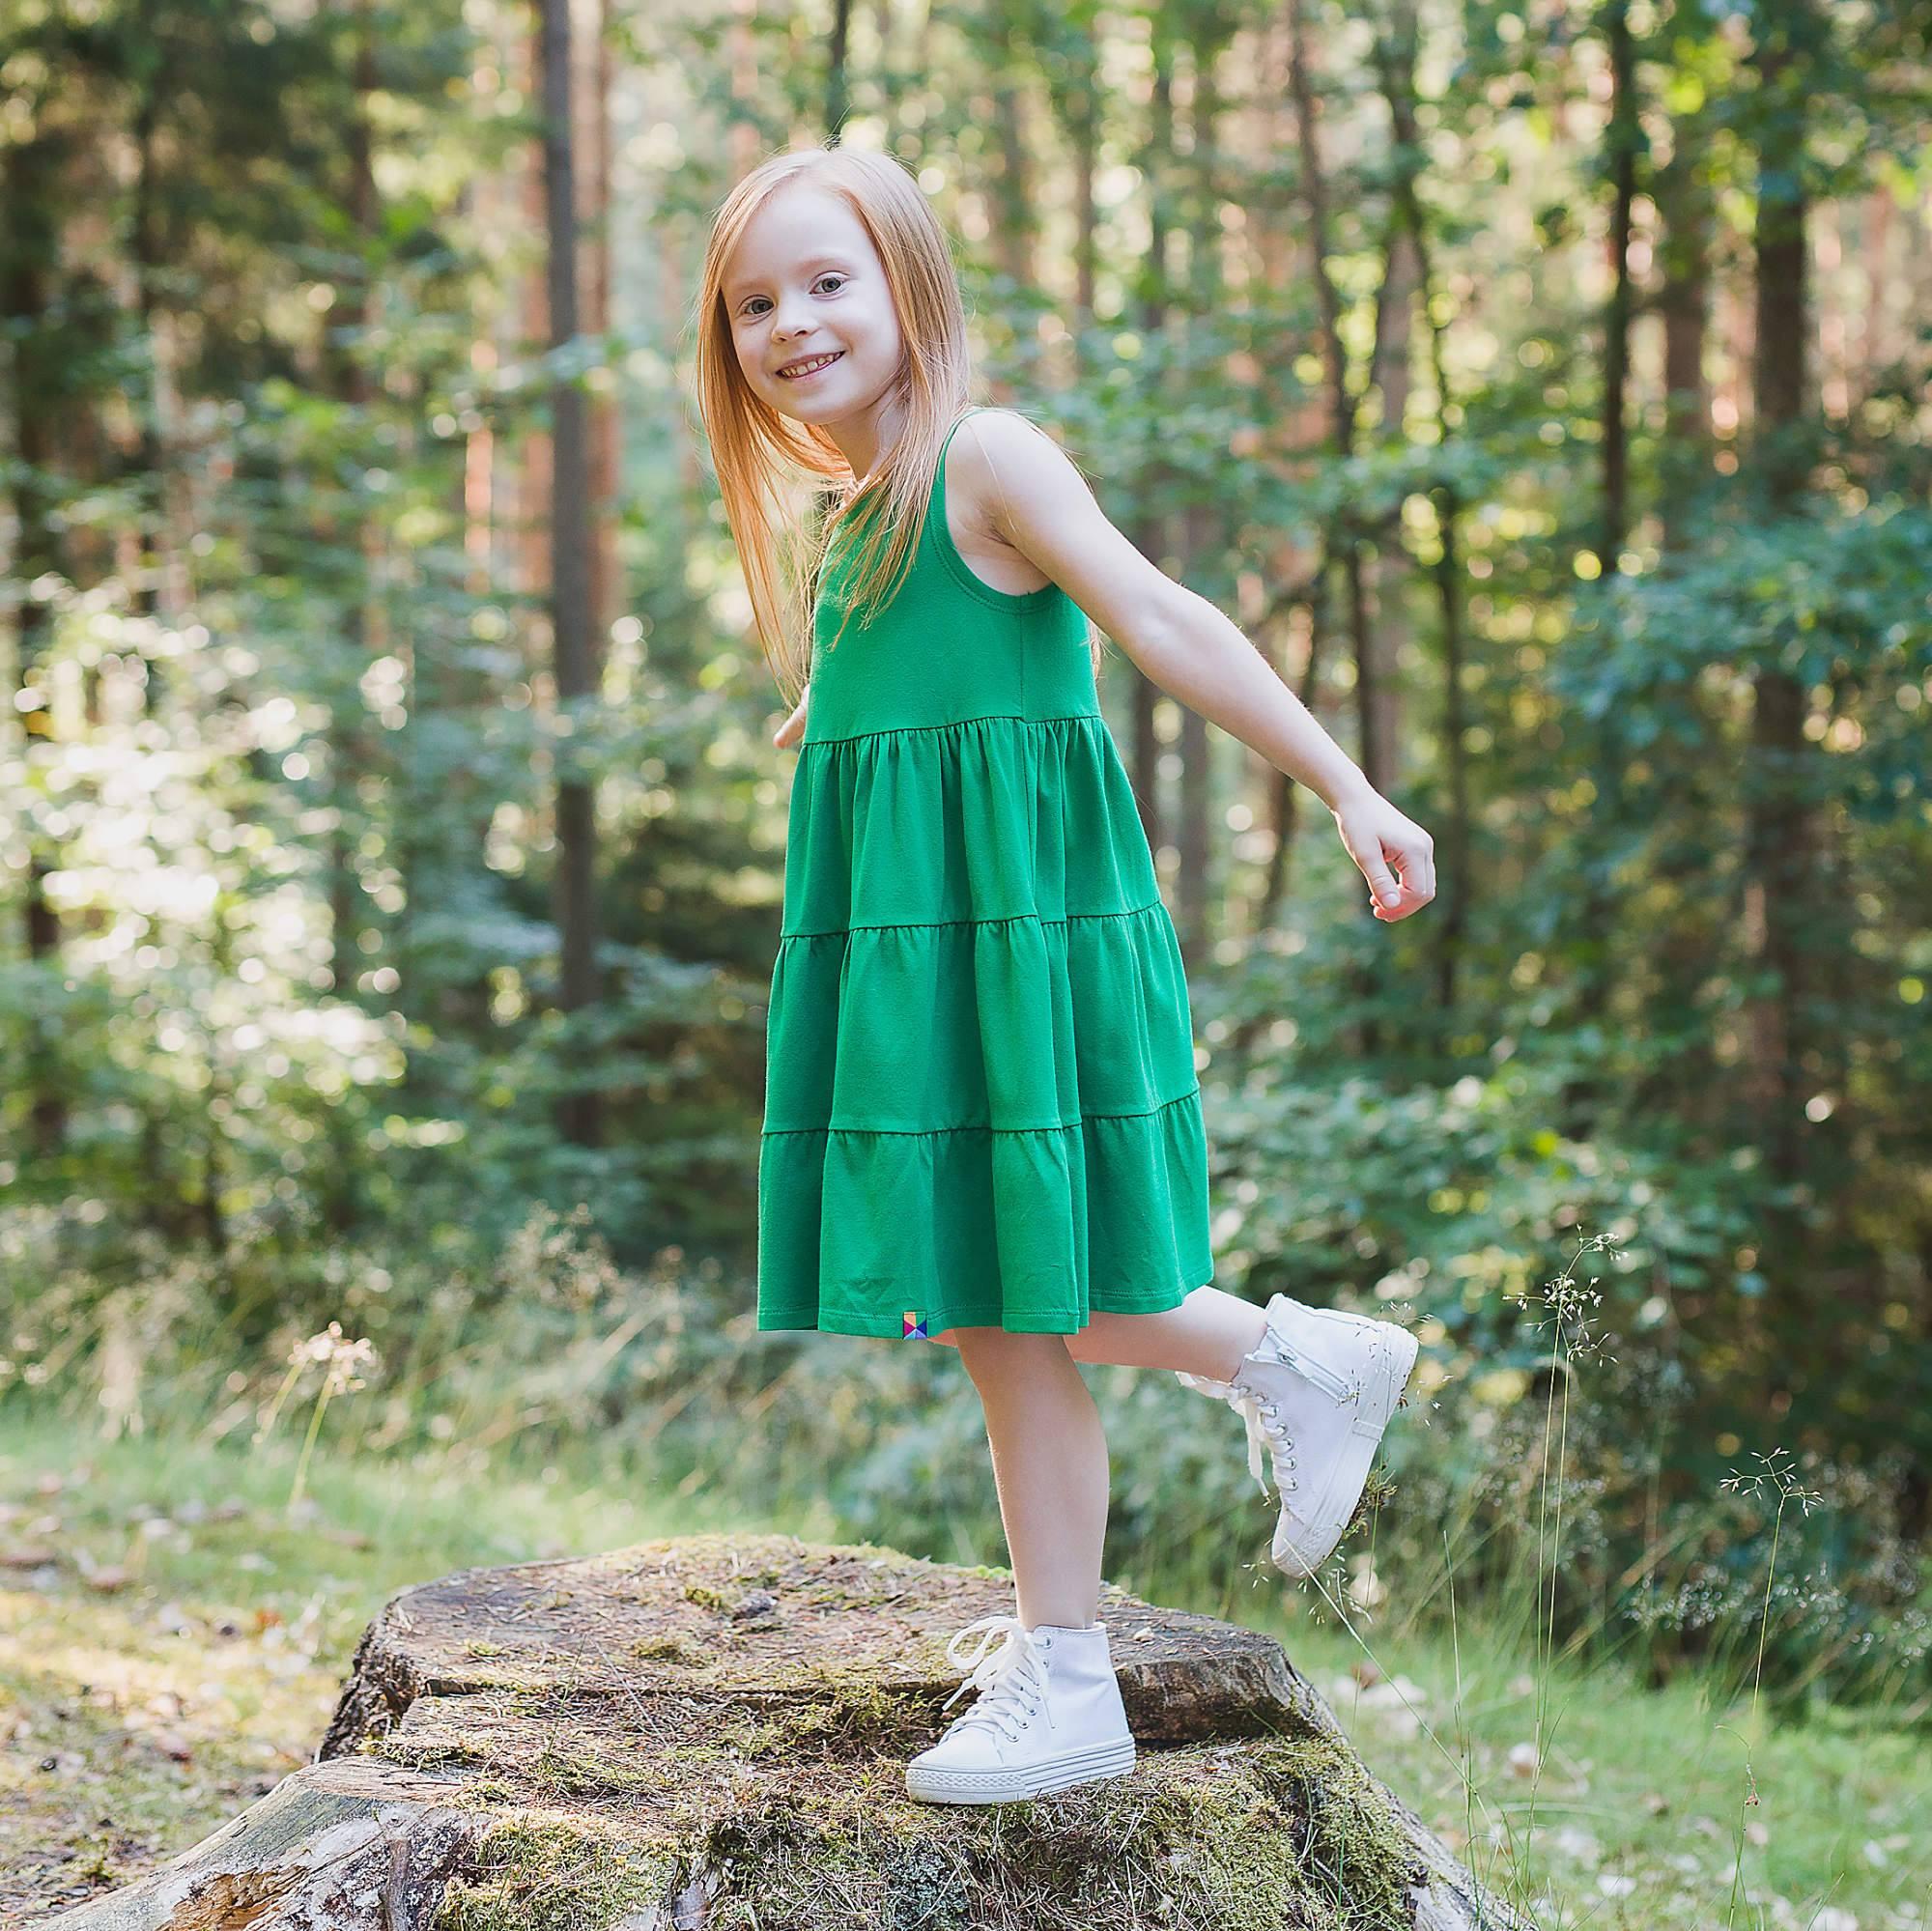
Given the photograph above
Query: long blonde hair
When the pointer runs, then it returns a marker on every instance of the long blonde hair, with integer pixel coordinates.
(757, 452)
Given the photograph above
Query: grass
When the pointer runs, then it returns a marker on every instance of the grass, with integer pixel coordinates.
(179, 1645)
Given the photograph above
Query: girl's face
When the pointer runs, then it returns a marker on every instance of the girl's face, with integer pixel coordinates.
(804, 283)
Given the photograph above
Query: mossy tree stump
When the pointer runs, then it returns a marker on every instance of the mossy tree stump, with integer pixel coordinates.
(711, 1731)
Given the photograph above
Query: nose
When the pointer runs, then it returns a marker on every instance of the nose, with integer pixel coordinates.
(789, 322)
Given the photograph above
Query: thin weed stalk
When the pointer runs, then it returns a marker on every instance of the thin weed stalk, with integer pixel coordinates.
(1778, 1475)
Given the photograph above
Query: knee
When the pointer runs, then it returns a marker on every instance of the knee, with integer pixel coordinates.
(996, 1351)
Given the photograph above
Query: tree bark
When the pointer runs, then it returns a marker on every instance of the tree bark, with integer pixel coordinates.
(29, 274)
(1304, 591)
(1347, 545)
(838, 81)
(1396, 68)
(1624, 134)
(1780, 837)
(1150, 532)
(1193, 890)
(579, 1113)
(604, 428)
(348, 741)
(1595, 964)
(1017, 226)
(1684, 206)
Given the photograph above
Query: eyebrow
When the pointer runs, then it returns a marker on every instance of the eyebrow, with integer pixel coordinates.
(742, 288)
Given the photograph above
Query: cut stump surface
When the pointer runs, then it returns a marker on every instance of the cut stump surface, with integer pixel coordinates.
(711, 1731)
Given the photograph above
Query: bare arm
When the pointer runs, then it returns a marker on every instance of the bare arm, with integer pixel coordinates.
(1038, 503)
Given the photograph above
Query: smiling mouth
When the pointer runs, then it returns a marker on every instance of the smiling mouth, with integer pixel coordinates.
(810, 368)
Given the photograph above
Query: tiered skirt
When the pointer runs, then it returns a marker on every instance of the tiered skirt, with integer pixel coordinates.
(983, 1106)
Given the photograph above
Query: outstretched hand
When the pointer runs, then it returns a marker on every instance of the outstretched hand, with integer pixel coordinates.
(792, 729)
(1393, 853)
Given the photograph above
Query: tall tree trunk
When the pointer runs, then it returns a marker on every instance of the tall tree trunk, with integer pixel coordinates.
(1276, 246)
(604, 428)
(1780, 836)
(1150, 533)
(1343, 543)
(1684, 206)
(1315, 191)
(1378, 693)
(1396, 68)
(1193, 884)
(579, 1113)
(1083, 121)
(153, 453)
(348, 738)
(532, 484)
(837, 84)
(29, 274)
(1456, 870)
(1624, 134)
(1682, 948)
(1016, 226)
(1594, 962)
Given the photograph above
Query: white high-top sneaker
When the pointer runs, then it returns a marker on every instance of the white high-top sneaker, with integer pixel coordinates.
(1049, 1715)
(1319, 1389)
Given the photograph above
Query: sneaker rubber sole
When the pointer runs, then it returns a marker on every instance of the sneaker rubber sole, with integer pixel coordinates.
(1021, 1780)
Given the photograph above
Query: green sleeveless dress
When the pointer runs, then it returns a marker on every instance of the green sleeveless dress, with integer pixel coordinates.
(981, 1106)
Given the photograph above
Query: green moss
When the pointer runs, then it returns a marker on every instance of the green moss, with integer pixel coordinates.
(856, 1714)
(555, 1874)
(673, 1648)
(802, 1813)
(484, 1793)
(1282, 1831)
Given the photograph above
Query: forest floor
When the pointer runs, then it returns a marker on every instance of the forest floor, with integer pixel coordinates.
(173, 1636)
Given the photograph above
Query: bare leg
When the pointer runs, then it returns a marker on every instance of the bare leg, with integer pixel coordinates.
(1208, 1334)
(1049, 1464)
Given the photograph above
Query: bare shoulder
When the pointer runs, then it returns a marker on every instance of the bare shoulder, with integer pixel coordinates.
(999, 443)
(996, 452)
(1023, 510)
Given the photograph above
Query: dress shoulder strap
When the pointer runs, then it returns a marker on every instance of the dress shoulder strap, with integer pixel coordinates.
(978, 409)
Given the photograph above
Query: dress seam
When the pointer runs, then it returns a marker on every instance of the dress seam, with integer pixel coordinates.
(955, 724)
(933, 1133)
(1003, 919)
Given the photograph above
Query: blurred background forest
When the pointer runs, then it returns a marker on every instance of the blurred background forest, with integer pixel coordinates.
(393, 838)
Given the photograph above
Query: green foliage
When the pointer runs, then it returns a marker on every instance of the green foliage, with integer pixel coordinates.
(281, 994)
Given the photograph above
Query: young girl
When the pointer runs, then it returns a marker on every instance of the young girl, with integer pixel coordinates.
(982, 1117)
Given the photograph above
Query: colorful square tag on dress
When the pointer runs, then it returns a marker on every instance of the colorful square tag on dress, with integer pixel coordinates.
(912, 1326)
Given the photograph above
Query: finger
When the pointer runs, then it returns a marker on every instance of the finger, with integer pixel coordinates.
(1382, 882)
(1382, 887)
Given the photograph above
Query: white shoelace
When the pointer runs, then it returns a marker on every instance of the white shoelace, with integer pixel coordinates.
(1250, 1408)
(1010, 1679)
